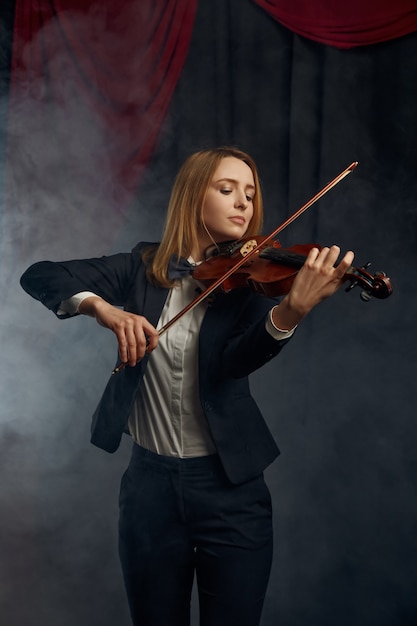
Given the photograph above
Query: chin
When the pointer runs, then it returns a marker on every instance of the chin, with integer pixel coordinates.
(234, 234)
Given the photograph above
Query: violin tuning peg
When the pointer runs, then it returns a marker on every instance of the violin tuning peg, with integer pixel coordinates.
(352, 285)
(365, 296)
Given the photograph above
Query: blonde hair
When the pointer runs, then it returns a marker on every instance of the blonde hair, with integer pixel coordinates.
(185, 208)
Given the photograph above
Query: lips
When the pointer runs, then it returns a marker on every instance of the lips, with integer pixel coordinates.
(237, 219)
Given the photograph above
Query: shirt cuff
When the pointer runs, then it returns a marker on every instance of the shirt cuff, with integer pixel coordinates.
(274, 331)
(70, 306)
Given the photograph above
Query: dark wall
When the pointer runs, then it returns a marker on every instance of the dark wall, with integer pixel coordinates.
(340, 399)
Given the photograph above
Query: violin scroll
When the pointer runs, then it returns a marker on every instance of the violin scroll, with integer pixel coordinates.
(377, 285)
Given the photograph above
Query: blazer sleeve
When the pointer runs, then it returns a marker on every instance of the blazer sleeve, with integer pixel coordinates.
(109, 277)
(250, 345)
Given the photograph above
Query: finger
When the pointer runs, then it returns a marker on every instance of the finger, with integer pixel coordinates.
(131, 343)
(127, 344)
(133, 354)
(123, 351)
(345, 263)
(150, 334)
(138, 343)
(312, 256)
(152, 339)
(333, 255)
(120, 333)
(328, 256)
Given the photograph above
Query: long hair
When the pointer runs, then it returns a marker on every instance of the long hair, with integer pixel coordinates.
(185, 209)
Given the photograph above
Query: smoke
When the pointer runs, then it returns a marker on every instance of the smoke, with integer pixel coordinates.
(59, 494)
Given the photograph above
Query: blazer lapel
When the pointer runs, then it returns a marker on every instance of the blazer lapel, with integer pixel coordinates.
(153, 303)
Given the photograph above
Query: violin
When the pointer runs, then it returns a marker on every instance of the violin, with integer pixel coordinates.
(272, 269)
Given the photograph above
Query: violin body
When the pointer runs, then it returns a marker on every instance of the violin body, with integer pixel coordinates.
(272, 269)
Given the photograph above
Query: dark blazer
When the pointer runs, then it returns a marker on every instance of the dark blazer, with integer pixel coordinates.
(233, 343)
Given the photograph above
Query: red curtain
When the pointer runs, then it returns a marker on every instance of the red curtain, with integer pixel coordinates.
(93, 79)
(345, 24)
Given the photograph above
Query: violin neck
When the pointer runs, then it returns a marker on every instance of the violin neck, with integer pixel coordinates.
(280, 255)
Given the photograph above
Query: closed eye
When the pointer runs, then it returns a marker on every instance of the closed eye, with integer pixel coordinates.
(228, 191)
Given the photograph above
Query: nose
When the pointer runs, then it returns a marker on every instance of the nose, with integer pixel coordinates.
(241, 201)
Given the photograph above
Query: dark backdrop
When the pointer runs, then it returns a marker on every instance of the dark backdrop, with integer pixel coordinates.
(340, 399)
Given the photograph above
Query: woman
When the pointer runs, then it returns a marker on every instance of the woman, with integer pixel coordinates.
(193, 499)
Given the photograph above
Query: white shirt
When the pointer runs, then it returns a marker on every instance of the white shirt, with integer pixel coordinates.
(167, 417)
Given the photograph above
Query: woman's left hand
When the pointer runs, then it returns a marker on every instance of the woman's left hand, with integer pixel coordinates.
(318, 279)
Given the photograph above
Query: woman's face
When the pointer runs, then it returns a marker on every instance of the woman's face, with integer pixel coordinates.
(228, 207)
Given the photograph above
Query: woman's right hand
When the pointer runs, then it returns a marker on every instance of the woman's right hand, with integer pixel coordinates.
(135, 335)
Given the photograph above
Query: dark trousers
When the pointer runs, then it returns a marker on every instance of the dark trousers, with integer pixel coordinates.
(182, 516)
